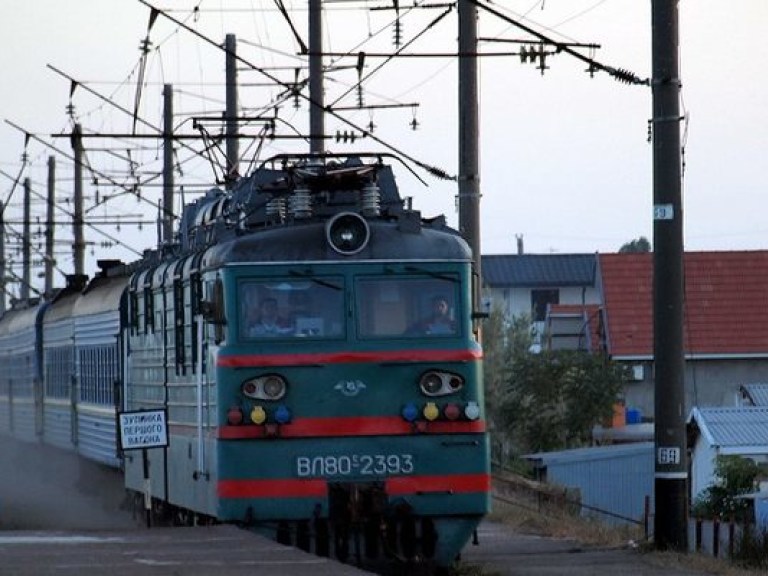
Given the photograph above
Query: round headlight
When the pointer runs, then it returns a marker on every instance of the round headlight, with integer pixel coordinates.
(431, 383)
(347, 233)
(274, 387)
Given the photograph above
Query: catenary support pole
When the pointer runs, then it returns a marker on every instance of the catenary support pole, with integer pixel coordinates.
(316, 96)
(469, 164)
(78, 247)
(671, 459)
(26, 242)
(49, 226)
(167, 165)
(233, 143)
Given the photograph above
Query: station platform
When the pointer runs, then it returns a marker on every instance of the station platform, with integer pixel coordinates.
(199, 551)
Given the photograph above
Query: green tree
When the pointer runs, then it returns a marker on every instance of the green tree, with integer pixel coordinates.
(555, 398)
(734, 476)
(640, 245)
(544, 401)
(503, 339)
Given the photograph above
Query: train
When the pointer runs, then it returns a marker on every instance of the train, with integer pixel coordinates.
(288, 339)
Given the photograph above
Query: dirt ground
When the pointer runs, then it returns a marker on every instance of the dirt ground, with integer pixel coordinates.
(43, 488)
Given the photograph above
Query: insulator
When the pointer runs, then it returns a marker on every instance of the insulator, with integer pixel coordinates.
(275, 209)
(398, 33)
(370, 199)
(301, 203)
(625, 76)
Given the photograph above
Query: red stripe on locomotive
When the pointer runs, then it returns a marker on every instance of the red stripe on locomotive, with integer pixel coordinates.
(352, 426)
(293, 359)
(401, 485)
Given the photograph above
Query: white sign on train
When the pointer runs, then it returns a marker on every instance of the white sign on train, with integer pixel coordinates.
(143, 429)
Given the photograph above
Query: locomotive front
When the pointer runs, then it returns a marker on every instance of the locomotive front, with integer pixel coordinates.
(350, 387)
(345, 368)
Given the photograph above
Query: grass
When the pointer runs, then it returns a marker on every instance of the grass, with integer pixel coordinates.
(523, 517)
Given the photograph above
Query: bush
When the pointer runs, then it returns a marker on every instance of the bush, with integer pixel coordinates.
(734, 476)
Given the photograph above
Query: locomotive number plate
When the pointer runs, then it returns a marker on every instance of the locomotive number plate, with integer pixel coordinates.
(354, 465)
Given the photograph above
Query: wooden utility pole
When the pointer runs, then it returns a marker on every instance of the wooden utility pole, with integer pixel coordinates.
(469, 164)
(671, 456)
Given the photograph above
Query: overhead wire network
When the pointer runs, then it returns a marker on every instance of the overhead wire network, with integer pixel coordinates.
(125, 168)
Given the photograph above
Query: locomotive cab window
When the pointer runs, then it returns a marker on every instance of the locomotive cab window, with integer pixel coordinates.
(274, 308)
(410, 307)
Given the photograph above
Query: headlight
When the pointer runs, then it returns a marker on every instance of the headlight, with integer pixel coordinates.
(434, 383)
(347, 233)
(267, 387)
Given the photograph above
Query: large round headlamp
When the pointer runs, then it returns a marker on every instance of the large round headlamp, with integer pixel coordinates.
(347, 233)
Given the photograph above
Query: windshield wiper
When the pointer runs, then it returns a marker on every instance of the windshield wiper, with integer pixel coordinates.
(311, 277)
(436, 275)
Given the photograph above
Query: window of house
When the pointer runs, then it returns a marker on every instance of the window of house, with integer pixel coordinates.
(540, 301)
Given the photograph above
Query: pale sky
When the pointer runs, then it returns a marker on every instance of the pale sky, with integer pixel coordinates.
(565, 160)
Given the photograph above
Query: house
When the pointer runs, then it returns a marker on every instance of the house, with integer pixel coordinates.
(604, 302)
(731, 431)
(726, 323)
(529, 284)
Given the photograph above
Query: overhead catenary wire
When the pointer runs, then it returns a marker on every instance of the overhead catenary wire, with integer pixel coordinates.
(110, 180)
(435, 171)
(620, 74)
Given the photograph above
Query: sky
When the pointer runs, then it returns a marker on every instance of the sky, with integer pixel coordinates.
(565, 162)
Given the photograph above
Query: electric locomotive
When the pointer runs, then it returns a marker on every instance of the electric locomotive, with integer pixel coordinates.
(309, 391)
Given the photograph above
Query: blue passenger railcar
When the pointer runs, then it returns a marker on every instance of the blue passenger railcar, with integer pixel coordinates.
(97, 353)
(59, 403)
(20, 371)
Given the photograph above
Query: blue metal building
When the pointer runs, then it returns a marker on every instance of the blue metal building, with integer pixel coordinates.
(614, 481)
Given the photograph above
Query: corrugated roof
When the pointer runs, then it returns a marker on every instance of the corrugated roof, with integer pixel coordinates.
(757, 394)
(539, 270)
(590, 453)
(733, 427)
(725, 303)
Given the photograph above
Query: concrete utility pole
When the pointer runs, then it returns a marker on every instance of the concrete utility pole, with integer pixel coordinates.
(49, 226)
(469, 164)
(167, 164)
(671, 478)
(233, 144)
(316, 96)
(26, 243)
(78, 247)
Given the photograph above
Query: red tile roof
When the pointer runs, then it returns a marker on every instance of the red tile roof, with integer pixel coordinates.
(726, 303)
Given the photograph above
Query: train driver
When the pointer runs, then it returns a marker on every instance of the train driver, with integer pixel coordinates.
(269, 322)
(438, 322)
